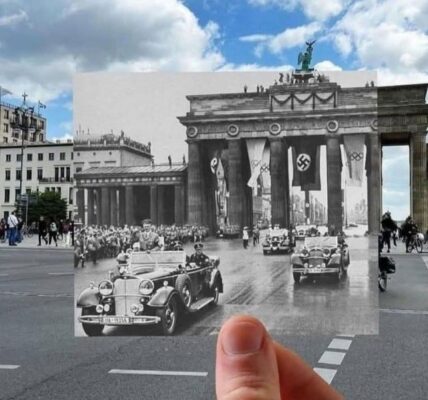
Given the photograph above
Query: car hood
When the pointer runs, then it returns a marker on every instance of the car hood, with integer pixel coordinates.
(154, 273)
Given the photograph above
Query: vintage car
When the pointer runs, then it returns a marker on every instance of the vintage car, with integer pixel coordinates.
(321, 256)
(150, 288)
(228, 232)
(303, 231)
(277, 240)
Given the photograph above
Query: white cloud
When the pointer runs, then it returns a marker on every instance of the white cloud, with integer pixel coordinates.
(62, 37)
(293, 37)
(13, 19)
(62, 138)
(327, 65)
(255, 38)
(255, 67)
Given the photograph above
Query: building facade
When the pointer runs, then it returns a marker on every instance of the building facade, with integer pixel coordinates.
(44, 167)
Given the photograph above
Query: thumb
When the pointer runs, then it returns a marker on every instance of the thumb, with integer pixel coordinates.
(246, 366)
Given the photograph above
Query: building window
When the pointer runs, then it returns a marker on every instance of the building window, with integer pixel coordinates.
(7, 177)
(6, 128)
(17, 194)
(28, 190)
(40, 156)
(29, 157)
(72, 155)
(62, 156)
(7, 195)
(51, 156)
(70, 196)
(40, 173)
(67, 174)
(58, 189)
(42, 124)
(18, 174)
(41, 137)
(18, 157)
(8, 157)
(6, 114)
(78, 169)
(47, 189)
(62, 174)
(5, 140)
(29, 174)
(56, 174)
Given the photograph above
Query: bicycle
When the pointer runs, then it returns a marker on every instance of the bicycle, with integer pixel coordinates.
(27, 231)
(416, 242)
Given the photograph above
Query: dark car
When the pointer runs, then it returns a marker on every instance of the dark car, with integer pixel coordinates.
(321, 256)
(278, 240)
(150, 289)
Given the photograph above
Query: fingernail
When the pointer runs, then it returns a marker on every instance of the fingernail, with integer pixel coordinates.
(242, 338)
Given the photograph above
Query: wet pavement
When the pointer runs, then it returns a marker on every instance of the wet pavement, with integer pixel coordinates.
(263, 285)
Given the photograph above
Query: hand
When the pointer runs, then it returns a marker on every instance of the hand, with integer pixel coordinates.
(251, 366)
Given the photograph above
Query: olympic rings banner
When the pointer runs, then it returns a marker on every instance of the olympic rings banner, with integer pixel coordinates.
(354, 149)
(306, 165)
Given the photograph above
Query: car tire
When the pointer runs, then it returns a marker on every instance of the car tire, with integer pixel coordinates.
(296, 277)
(168, 316)
(265, 252)
(184, 289)
(215, 292)
(90, 329)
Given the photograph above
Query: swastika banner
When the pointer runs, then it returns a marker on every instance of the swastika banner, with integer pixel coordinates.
(306, 165)
(354, 149)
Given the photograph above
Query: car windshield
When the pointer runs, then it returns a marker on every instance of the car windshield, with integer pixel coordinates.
(320, 241)
(141, 261)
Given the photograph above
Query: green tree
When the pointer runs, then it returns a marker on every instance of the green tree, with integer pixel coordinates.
(47, 204)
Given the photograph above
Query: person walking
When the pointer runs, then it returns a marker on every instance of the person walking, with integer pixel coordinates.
(388, 226)
(12, 221)
(53, 230)
(256, 235)
(245, 237)
(42, 230)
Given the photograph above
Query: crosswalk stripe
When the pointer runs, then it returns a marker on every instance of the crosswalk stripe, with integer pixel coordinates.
(340, 344)
(8, 366)
(332, 357)
(154, 372)
(326, 373)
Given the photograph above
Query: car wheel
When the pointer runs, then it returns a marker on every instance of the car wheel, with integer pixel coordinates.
(297, 276)
(90, 329)
(265, 252)
(215, 292)
(184, 289)
(168, 316)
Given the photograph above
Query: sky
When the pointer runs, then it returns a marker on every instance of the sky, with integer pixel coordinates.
(43, 43)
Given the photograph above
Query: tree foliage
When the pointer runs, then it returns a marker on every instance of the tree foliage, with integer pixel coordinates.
(48, 204)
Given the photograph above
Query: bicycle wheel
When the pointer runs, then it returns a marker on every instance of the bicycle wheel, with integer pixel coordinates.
(419, 245)
(382, 281)
(29, 234)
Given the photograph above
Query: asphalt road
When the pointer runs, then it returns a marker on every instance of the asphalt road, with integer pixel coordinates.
(41, 359)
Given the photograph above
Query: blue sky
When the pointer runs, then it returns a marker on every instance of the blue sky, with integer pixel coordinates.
(43, 43)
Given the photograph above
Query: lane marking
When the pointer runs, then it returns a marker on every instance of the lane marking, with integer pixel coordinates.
(396, 311)
(344, 335)
(340, 344)
(60, 273)
(326, 373)
(332, 357)
(154, 372)
(4, 274)
(35, 294)
(6, 366)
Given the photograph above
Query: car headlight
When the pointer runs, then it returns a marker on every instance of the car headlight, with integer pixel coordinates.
(304, 253)
(122, 269)
(105, 288)
(146, 287)
(326, 252)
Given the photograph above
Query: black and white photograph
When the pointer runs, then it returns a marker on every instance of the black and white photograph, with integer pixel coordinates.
(203, 195)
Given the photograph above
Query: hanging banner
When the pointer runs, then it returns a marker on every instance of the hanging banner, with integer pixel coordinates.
(306, 165)
(265, 168)
(255, 149)
(354, 149)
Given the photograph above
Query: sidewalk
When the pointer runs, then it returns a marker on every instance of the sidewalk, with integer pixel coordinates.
(32, 243)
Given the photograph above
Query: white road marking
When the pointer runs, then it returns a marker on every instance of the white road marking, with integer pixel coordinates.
(6, 366)
(34, 294)
(340, 344)
(414, 312)
(154, 372)
(344, 335)
(4, 274)
(425, 259)
(326, 373)
(332, 357)
(60, 273)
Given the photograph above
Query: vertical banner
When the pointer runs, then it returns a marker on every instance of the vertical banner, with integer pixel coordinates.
(218, 165)
(354, 149)
(306, 164)
(255, 149)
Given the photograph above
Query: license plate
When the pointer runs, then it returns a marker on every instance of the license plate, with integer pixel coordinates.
(315, 270)
(117, 320)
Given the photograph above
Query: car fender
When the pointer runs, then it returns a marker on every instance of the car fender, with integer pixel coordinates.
(216, 275)
(296, 260)
(88, 298)
(161, 297)
(334, 260)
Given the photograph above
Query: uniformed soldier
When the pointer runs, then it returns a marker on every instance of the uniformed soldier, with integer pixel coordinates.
(198, 257)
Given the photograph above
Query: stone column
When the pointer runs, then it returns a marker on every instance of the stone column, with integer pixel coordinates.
(334, 184)
(122, 206)
(154, 204)
(129, 205)
(91, 201)
(236, 185)
(179, 204)
(418, 179)
(80, 200)
(279, 182)
(161, 205)
(374, 184)
(195, 184)
(113, 207)
(105, 206)
(98, 205)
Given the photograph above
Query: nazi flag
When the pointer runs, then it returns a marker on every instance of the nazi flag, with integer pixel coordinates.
(306, 164)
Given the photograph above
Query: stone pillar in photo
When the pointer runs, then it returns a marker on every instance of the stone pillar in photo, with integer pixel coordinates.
(105, 206)
(418, 179)
(179, 204)
(374, 182)
(195, 184)
(80, 200)
(91, 203)
(161, 205)
(279, 182)
(334, 184)
(98, 206)
(236, 184)
(113, 207)
(129, 205)
(122, 207)
(154, 204)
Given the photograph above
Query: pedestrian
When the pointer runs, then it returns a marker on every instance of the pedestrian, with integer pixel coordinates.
(66, 232)
(256, 235)
(245, 237)
(42, 230)
(2, 230)
(388, 226)
(12, 222)
(60, 235)
(19, 227)
(53, 231)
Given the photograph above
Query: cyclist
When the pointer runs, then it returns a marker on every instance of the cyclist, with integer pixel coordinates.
(409, 229)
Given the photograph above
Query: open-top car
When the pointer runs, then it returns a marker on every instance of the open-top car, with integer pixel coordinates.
(277, 240)
(321, 256)
(150, 289)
